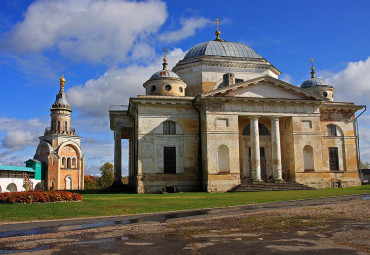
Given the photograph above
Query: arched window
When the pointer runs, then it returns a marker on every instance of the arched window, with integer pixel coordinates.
(263, 130)
(308, 158)
(64, 162)
(74, 163)
(65, 126)
(58, 128)
(52, 160)
(223, 159)
(169, 128)
(332, 130)
(69, 163)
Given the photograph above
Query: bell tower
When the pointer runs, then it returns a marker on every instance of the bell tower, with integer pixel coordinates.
(61, 113)
(59, 149)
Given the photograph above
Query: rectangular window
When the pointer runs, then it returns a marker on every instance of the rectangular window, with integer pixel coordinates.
(333, 158)
(169, 128)
(169, 160)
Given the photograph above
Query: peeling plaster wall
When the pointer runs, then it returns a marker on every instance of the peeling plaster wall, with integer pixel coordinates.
(221, 129)
(345, 141)
(151, 143)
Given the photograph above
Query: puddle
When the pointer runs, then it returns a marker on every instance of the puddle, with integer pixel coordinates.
(28, 232)
(20, 251)
(104, 240)
(365, 198)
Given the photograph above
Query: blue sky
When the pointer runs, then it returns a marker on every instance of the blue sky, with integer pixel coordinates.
(108, 49)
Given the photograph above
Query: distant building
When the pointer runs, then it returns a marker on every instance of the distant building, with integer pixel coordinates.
(59, 149)
(222, 117)
(18, 178)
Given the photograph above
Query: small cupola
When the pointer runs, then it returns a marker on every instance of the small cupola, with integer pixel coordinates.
(165, 82)
(318, 85)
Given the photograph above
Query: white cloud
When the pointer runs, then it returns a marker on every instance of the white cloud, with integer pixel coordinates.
(189, 27)
(17, 140)
(32, 125)
(351, 84)
(19, 133)
(287, 78)
(88, 30)
(115, 87)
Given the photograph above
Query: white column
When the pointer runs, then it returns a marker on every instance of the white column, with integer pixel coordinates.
(117, 156)
(255, 151)
(276, 149)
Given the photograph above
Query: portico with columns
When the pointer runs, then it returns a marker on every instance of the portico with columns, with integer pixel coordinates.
(222, 118)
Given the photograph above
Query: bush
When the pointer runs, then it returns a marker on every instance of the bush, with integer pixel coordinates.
(29, 197)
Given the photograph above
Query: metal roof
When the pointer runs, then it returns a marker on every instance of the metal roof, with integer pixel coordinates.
(16, 168)
(164, 74)
(314, 82)
(222, 48)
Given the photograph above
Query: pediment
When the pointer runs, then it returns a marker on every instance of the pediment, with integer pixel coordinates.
(265, 87)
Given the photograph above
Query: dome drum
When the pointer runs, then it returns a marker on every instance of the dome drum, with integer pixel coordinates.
(165, 87)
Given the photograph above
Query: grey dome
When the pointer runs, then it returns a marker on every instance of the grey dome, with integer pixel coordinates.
(164, 74)
(61, 100)
(314, 82)
(223, 49)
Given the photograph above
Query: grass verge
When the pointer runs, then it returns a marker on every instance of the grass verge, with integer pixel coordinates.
(94, 205)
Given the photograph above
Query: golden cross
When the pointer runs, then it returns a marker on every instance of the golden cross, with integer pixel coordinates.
(311, 62)
(217, 22)
(165, 52)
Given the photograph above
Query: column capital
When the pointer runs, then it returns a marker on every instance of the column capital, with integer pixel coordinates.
(276, 117)
(254, 117)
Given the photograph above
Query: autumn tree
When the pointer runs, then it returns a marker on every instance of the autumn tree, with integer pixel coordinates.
(107, 175)
(90, 182)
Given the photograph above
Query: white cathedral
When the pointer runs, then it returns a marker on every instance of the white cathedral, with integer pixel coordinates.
(222, 118)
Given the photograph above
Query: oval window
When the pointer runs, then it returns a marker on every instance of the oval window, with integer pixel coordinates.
(168, 87)
(181, 89)
(153, 88)
(325, 94)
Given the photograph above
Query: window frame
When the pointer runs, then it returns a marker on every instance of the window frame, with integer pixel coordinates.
(333, 158)
(169, 128)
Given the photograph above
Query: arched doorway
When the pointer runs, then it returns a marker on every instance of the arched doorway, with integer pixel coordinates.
(69, 183)
(39, 186)
(11, 187)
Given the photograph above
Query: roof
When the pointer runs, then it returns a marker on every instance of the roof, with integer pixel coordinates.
(365, 171)
(164, 74)
(222, 48)
(33, 160)
(16, 168)
(314, 82)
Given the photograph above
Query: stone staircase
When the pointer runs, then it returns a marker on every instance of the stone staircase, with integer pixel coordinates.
(252, 187)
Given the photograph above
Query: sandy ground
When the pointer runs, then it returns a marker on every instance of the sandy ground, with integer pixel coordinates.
(341, 228)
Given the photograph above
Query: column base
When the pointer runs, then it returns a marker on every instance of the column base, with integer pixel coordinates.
(257, 181)
(279, 181)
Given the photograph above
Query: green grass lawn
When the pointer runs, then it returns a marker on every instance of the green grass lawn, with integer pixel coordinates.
(94, 205)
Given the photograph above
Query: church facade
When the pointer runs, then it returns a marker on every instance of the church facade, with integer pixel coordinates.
(60, 150)
(222, 117)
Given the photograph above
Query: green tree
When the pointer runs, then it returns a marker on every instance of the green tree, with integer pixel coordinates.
(365, 165)
(107, 175)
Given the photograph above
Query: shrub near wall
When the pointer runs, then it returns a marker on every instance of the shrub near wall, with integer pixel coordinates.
(28, 197)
